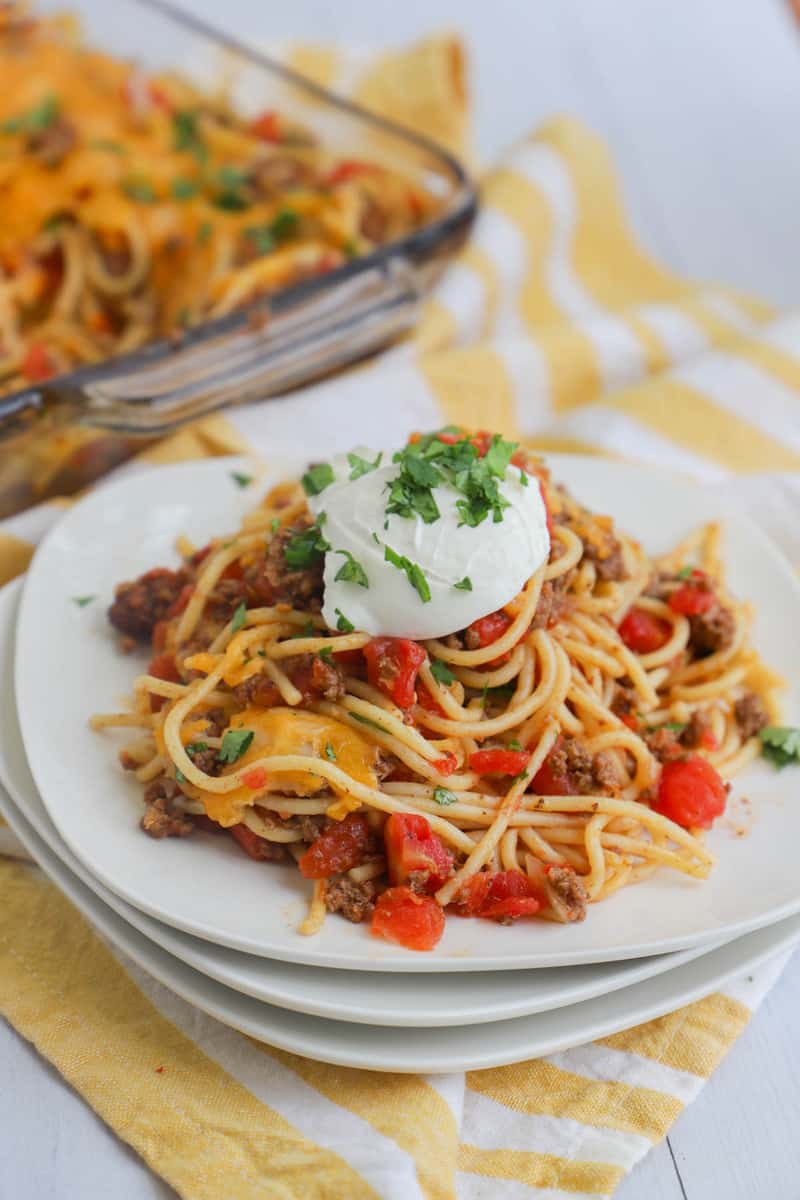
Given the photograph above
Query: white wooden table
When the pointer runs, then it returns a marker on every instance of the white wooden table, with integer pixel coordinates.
(700, 102)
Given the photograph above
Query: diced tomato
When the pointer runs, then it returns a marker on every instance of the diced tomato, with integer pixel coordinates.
(499, 894)
(691, 793)
(448, 439)
(347, 169)
(416, 207)
(181, 600)
(425, 700)
(547, 782)
(402, 916)
(253, 845)
(163, 667)
(693, 597)
(642, 632)
(37, 366)
(337, 849)
(630, 719)
(158, 639)
(393, 665)
(411, 847)
(482, 441)
(255, 778)
(159, 97)
(446, 765)
(499, 762)
(266, 126)
(234, 570)
(490, 628)
(708, 741)
(351, 660)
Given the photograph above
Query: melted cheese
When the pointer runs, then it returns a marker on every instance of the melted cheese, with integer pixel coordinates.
(287, 731)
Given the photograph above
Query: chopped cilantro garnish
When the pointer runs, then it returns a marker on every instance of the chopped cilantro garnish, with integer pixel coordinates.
(330, 753)
(82, 601)
(230, 181)
(522, 775)
(179, 776)
(465, 585)
(305, 548)
(342, 623)
(275, 524)
(241, 479)
(441, 672)
(502, 692)
(317, 478)
(685, 572)
(523, 478)
(514, 744)
(325, 652)
(306, 632)
(674, 726)
(138, 189)
(42, 116)
(414, 573)
(196, 747)
(362, 466)
(351, 571)
(444, 796)
(367, 721)
(780, 744)
(186, 136)
(239, 617)
(285, 224)
(184, 189)
(430, 462)
(234, 744)
(262, 239)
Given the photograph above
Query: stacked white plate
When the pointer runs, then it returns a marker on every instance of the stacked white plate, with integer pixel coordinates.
(222, 931)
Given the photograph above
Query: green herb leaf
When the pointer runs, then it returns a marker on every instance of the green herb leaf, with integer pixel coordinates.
(674, 726)
(304, 548)
(351, 571)
(514, 745)
(444, 796)
(262, 239)
(234, 744)
(139, 189)
(82, 601)
(196, 747)
(186, 135)
(685, 572)
(179, 776)
(285, 224)
(366, 721)
(274, 524)
(780, 744)
(317, 478)
(242, 480)
(239, 617)
(465, 585)
(414, 573)
(42, 116)
(184, 189)
(342, 623)
(441, 672)
(362, 466)
(330, 753)
(523, 478)
(498, 456)
(325, 652)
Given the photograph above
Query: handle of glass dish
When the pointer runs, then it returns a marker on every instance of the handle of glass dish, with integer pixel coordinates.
(312, 339)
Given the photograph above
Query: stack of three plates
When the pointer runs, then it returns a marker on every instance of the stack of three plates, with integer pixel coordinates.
(222, 931)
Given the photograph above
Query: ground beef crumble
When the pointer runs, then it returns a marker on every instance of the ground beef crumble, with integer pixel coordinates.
(355, 901)
(162, 816)
(751, 715)
(140, 604)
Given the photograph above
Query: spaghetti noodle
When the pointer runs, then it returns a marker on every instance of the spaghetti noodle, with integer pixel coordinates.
(136, 206)
(553, 752)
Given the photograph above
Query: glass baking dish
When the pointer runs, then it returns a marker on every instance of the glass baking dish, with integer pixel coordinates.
(57, 436)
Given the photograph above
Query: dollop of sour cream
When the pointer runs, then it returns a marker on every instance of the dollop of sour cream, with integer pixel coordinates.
(492, 561)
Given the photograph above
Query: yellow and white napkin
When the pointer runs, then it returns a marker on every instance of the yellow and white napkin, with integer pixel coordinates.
(554, 327)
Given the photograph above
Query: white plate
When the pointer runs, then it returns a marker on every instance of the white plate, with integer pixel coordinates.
(428, 1051)
(67, 668)
(369, 998)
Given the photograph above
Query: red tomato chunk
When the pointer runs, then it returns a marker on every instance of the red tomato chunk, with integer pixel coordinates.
(499, 895)
(488, 629)
(411, 849)
(337, 849)
(693, 597)
(642, 632)
(393, 665)
(690, 793)
(254, 846)
(413, 921)
(499, 762)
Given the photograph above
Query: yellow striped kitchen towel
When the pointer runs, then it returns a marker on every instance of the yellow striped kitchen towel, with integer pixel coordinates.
(553, 326)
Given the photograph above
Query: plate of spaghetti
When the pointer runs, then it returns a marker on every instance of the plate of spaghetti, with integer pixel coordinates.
(447, 697)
